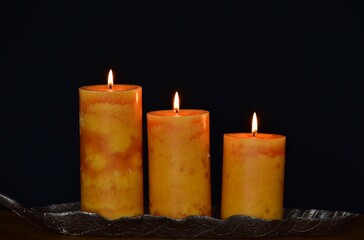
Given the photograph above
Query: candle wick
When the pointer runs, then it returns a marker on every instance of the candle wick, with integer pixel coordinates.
(176, 110)
(110, 86)
(254, 133)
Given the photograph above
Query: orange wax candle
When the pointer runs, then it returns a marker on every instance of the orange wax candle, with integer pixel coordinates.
(179, 162)
(253, 175)
(111, 150)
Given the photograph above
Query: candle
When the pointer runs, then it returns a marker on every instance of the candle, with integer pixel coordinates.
(253, 174)
(111, 149)
(179, 162)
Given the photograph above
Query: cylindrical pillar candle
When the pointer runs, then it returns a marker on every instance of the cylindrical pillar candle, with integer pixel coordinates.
(111, 150)
(179, 163)
(253, 175)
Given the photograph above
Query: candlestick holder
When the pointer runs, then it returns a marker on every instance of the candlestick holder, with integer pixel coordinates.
(67, 219)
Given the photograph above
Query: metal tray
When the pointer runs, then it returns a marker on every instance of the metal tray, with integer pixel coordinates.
(66, 218)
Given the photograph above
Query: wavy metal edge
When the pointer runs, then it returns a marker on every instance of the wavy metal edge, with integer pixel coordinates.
(67, 219)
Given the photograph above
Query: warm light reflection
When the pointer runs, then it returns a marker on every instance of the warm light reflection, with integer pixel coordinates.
(110, 80)
(176, 103)
(137, 97)
(254, 124)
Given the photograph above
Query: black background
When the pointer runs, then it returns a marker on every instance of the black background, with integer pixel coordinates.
(298, 64)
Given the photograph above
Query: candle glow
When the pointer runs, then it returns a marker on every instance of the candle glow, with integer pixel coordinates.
(253, 174)
(178, 158)
(111, 167)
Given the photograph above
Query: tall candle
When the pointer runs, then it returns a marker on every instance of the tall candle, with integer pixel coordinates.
(253, 174)
(111, 149)
(179, 162)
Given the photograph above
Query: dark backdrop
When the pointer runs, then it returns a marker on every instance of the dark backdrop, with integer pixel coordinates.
(296, 63)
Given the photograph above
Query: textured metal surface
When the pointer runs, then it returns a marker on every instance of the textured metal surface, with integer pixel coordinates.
(67, 219)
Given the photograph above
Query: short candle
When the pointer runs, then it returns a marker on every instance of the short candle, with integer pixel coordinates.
(253, 174)
(111, 149)
(179, 162)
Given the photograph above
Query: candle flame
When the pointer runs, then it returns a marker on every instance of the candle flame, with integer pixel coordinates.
(176, 103)
(110, 80)
(254, 124)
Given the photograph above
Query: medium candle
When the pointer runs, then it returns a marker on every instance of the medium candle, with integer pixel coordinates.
(253, 174)
(179, 162)
(111, 149)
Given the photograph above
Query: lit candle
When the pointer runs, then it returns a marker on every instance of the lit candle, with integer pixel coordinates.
(253, 174)
(111, 149)
(179, 162)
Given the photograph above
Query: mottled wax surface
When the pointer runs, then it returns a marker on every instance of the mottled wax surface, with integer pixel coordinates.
(111, 150)
(179, 163)
(253, 175)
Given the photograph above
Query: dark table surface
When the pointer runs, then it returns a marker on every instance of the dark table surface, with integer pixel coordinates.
(14, 227)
